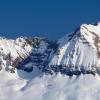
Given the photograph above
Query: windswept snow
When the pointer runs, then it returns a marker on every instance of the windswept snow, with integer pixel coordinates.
(38, 69)
(47, 87)
(79, 50)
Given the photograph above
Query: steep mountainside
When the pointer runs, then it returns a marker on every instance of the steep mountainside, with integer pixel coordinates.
(25, 53)
(38, 69)
(78, 52)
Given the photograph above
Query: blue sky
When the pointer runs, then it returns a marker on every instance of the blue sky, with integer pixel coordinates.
(50, 18)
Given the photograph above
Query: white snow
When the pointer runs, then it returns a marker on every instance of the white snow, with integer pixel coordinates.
(80, 50)
(47, 87)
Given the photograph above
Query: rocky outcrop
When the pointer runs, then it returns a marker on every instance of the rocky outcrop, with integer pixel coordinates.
(76, 53)
(25, 53)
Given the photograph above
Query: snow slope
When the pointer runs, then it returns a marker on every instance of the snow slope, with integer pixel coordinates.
(49, 87)
(39, 69)
(79, 50)
(25, 53)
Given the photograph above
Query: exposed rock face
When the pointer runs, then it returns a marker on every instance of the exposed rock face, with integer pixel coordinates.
(25, 53)
(76, 53)
(40, 54)
(79, 52)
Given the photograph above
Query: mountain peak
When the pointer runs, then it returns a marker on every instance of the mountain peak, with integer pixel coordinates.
(24, 53)
(91, 28)
(79, 50)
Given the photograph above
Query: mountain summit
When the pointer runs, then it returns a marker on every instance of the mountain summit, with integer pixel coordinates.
(39, 69)
(25, 53)
(78, 52)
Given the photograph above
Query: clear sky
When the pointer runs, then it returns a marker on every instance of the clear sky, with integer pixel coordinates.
(50, 18)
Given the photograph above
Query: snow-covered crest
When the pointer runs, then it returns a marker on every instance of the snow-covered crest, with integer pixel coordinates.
(79, 50)
(75, 54)
(25, 53)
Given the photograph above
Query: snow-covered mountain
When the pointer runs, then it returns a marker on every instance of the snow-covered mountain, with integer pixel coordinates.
(79, 51)
(25, 53)
(39, 69)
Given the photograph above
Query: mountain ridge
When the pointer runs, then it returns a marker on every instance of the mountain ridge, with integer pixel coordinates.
(39, 69)
(78, 52)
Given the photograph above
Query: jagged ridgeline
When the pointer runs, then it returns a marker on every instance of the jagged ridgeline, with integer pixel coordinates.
(25, 53)
(76, 53)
